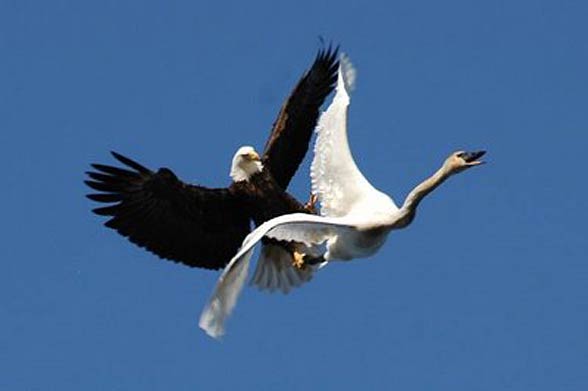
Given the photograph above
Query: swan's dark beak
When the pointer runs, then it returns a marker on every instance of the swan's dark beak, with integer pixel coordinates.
(471, 158)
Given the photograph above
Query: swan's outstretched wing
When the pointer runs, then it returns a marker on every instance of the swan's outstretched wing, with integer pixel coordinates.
(335, 177)
(299, 227)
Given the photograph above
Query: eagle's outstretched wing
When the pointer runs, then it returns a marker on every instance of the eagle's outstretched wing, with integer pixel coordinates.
(292, 130)
(194, 225)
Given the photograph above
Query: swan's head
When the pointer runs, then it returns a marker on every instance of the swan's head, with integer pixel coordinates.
(246, 162)
(462, 160)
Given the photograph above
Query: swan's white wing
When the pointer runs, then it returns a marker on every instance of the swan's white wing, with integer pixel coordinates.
(335, 177)
(224, 297)
(299, 227)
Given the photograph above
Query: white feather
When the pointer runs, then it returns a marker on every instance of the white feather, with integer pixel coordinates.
(349, 72)
(224, 297)
(336, 180)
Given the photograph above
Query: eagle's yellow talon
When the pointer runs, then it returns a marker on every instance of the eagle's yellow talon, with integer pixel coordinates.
(311, 204)
(298, 260)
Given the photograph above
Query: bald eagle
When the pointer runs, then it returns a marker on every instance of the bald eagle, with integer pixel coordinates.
(203, 227)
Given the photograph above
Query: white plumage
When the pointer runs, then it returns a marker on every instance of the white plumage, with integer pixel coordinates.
(341, 187)
(355, 219)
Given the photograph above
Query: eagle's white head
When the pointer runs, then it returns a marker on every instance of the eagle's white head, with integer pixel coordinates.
(246, 162)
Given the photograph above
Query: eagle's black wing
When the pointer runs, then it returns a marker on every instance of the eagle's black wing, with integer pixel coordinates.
(292, 130)
(190, 224)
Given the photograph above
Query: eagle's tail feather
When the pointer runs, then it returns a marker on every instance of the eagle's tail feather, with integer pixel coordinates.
(275, 271)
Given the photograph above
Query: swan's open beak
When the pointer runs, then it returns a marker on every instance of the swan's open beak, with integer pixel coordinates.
(471, 158)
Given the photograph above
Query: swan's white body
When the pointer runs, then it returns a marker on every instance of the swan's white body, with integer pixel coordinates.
(355, 219)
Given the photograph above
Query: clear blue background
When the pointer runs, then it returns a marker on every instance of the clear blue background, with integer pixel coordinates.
(487, 290)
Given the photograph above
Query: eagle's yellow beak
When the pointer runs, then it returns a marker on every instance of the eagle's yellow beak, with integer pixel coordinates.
(253, 156)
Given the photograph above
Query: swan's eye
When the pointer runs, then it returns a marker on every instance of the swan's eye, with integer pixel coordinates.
(461, 154)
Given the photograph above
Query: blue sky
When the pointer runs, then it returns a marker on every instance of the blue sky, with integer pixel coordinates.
(485, 291)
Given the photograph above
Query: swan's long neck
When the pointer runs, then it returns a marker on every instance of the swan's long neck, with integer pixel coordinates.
(415, 197)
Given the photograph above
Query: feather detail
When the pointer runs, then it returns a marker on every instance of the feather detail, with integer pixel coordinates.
(335, 178)
(349, 72)
(276, 262)
(225, 297)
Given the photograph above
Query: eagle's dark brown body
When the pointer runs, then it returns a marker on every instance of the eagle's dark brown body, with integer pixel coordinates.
(265, 199)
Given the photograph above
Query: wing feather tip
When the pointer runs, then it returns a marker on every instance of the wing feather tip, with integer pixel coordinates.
(209, 321)
(347, 72)
(131, 163)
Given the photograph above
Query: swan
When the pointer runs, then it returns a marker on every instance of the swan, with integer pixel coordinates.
(355, 217)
